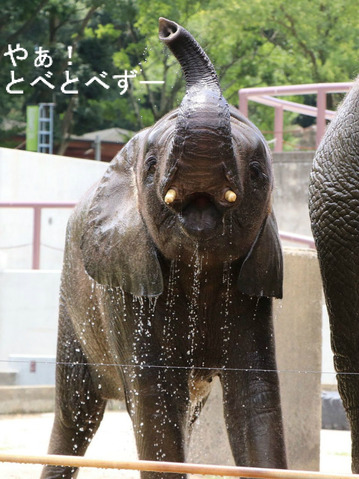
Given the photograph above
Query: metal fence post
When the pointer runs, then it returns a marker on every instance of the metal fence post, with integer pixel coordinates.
(36, 238)
(278, 128)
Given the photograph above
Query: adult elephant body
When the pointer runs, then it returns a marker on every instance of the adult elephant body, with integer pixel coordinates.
(334, 211)
(170, 265)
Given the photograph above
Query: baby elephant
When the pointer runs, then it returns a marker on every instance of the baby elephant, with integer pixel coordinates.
(170, 267)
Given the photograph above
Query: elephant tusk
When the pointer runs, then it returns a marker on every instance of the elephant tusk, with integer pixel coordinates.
(170, 196)
(230, 196)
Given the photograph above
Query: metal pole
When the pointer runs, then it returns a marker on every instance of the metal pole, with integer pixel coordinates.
(51, 128)
(321, 105)
(36, 238)
(97, 148)
(172, 467)
(243, 103)
(278, 129)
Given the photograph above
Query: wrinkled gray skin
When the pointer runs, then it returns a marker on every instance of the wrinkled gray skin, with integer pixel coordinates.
(334, 211)
(184, 287)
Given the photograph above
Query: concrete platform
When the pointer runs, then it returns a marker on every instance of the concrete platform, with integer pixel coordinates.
(29, 434)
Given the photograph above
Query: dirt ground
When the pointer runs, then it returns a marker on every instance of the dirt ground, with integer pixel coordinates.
(29, 434)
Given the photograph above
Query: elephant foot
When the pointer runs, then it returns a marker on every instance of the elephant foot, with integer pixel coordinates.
(162, 475)
(59, 472)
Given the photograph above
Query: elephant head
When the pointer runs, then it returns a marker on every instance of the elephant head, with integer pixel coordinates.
(199, 180)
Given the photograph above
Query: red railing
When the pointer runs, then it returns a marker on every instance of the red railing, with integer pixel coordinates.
(267, 96)
(296, 238)
(39, 206)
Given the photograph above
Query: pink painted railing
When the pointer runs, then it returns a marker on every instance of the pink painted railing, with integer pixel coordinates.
(296, 238)
(267, 96)
(39, 206)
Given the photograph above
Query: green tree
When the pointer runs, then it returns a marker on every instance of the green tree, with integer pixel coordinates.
(251, 43)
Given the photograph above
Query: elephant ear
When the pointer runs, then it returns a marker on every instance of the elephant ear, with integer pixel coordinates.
(116, 247)
(262, 270)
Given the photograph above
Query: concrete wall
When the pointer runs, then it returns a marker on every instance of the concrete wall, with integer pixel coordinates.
(290, 200)
(298, 329)
(29, 299)
(28, 325)
(28, 311)
(27, 400)
(290, 196)
(28, 176)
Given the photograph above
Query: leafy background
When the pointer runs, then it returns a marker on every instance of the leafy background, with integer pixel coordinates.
(251, 43)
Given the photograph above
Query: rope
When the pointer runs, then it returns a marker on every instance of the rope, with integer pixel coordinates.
(173, 467)
(31, 244)
(164, 366)
(16, 246)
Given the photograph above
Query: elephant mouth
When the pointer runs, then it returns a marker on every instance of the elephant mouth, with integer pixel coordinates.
(199, 215)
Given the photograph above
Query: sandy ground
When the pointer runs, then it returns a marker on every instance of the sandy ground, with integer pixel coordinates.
(29, 434)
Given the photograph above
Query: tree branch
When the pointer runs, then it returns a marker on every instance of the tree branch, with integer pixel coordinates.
(309, 53)
(68, 116)
(23, 27)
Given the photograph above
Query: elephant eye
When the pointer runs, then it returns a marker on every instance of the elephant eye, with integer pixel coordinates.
(256, 171)
(150, 164)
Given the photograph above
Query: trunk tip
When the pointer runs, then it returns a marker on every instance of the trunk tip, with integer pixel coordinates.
(167, 29)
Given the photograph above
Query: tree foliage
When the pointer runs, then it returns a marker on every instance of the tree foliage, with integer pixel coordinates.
(251, 43)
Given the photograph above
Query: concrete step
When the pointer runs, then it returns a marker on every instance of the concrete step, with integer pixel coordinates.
(8, 378)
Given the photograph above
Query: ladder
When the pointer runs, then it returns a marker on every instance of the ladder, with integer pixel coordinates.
(46, 127)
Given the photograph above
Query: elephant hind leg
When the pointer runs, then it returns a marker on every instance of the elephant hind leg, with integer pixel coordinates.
(79, 407)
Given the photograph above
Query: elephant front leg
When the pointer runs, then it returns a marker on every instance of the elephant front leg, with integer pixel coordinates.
(158, 407)
(79, 407)
(78, 415)
(253, 418)
(251, 395)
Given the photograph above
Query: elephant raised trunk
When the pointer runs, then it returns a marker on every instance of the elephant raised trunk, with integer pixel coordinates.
(196, 65)
(203, 109)
(202, 159)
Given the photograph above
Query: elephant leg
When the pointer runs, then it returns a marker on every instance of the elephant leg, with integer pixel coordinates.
(345, 342)
(342, 295)
(159, 409)
(79, 408)
(338, 255)
(251, 395)
(253, 419)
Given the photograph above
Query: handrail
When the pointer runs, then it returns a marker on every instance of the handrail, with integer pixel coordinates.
(39, 206)
(296, 238)
(266, 96)
(172, 467)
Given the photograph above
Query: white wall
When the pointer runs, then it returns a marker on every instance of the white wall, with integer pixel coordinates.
(29, 176)
(28, 323)
(29, 299)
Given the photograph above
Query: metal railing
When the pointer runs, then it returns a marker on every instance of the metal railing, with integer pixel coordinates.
(172, 467)
(39, 206)
(267, 96)
(296, 238)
